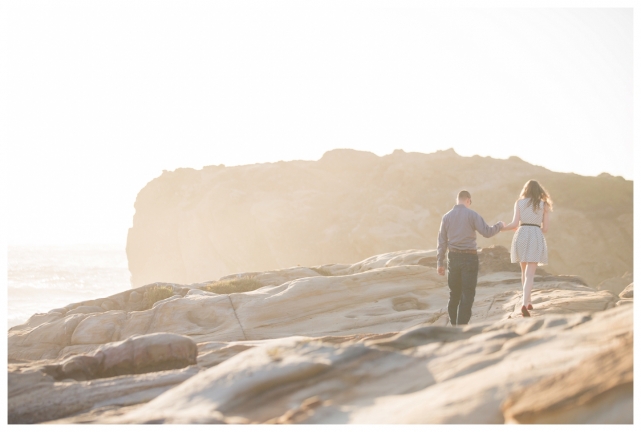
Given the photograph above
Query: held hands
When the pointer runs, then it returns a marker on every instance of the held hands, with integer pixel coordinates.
(441, 271)
(507, 227)
(510, 228)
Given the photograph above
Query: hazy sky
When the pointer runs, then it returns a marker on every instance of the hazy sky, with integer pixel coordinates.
(100, 97)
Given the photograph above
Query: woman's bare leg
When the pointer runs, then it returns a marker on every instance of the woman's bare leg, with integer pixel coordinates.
(523, 265)
(530, 269)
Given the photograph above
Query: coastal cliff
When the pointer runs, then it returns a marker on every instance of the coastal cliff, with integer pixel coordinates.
(367, 342)
(195, 225)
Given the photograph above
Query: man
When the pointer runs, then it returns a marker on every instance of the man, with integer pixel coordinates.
(458, 235)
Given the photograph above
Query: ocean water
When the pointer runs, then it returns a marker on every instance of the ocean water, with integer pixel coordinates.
(41, 278)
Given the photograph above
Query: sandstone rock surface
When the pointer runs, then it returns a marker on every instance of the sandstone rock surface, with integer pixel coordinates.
(196, 225)
(135, 355)
(362, 343)
(616, 284)
(598, 390)
(628, 292)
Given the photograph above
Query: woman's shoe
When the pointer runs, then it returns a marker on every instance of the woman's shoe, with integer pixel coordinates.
(529, 307)
(524, 311)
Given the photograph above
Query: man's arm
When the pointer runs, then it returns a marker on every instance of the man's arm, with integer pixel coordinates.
(441, 245)
(484, 229)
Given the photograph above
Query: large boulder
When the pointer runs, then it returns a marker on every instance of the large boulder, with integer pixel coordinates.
(134, 355)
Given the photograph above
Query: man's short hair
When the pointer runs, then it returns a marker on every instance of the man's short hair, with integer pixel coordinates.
(464, 195)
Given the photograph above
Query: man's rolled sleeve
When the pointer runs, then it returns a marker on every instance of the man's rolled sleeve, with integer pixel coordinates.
(441, 245)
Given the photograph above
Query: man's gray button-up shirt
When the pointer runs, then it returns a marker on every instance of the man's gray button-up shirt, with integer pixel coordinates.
(458, 231)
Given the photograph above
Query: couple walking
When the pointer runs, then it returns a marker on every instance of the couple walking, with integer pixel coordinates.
(457, 235)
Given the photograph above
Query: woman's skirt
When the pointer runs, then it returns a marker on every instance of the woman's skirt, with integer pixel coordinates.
(528, 245)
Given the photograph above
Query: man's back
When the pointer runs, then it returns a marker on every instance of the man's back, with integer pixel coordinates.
(458, 230)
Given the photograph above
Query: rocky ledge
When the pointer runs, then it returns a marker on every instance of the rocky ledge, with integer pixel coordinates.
(362, 343)
(194, 225)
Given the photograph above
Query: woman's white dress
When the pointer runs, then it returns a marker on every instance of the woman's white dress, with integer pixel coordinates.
(528, 244)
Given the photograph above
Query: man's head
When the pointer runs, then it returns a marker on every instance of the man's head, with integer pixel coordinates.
(464, 198)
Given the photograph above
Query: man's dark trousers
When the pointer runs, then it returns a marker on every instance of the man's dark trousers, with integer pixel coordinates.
(462, 273)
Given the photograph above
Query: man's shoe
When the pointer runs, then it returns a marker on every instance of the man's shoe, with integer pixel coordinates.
(529, 307)
(524, 311)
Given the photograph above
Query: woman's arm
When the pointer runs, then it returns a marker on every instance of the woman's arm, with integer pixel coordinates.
(546, 218)
(515, 221)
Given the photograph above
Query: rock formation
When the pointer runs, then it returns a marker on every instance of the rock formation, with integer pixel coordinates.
(196, 225)
(338, 343)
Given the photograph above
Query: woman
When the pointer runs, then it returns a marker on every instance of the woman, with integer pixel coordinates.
(531, 220)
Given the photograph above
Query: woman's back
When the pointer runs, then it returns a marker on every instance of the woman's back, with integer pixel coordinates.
(527, 215)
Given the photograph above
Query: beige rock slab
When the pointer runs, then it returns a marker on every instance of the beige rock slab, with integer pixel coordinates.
(597, 390)
(36, 397)
(628, 292)
(373, 301)
(189, 316)
(246, 383)
(383, 294)
(473, 379)
(429, 379)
